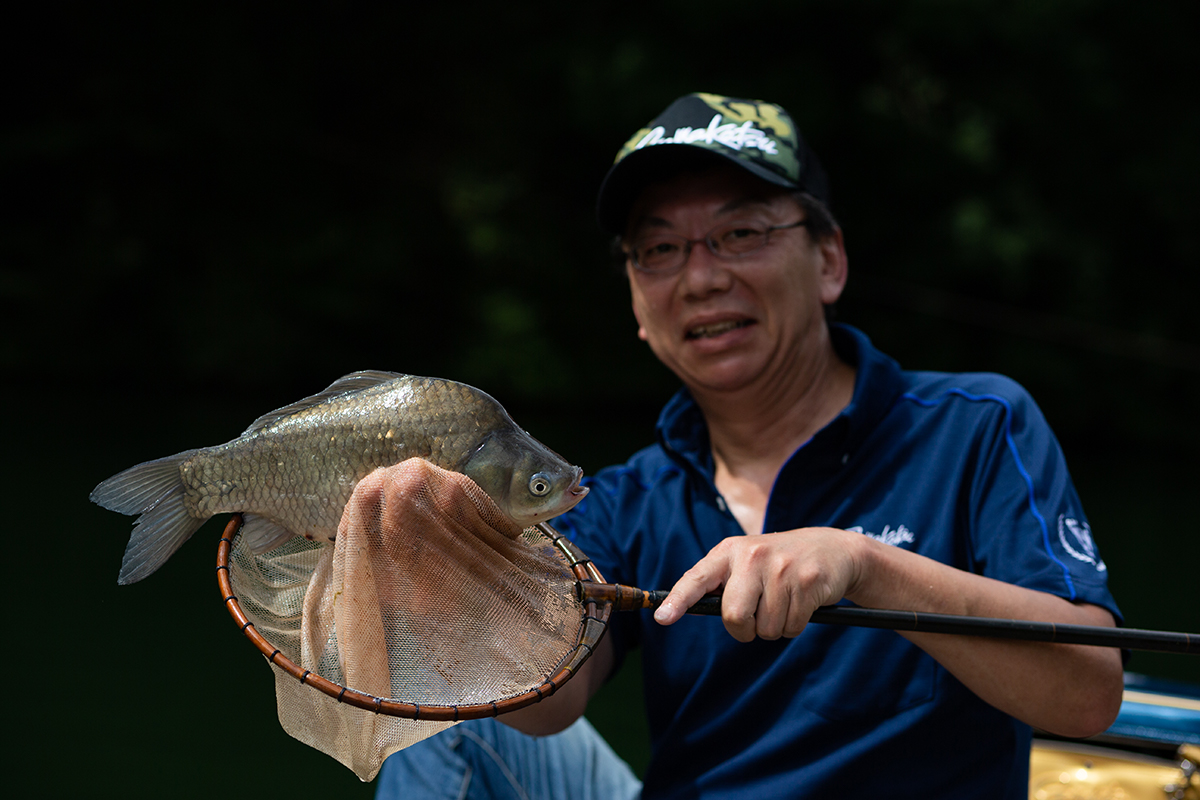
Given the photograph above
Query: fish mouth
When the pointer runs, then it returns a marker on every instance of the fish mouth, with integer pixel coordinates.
(575, 491)
(711, 329)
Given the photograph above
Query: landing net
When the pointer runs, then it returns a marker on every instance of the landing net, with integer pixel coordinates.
(399, 630)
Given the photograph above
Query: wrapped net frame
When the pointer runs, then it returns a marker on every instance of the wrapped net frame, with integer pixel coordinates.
(359, 720)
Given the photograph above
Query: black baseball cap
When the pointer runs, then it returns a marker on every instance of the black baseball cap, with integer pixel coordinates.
(699, 129)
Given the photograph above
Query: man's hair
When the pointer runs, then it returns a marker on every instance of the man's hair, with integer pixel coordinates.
(821, 225)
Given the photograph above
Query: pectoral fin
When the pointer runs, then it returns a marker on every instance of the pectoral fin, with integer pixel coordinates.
(261, 534)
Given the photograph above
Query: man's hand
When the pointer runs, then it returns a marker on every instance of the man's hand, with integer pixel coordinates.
(772, 583)
(416, 492)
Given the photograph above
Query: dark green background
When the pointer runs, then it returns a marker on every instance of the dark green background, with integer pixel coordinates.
(210, 213)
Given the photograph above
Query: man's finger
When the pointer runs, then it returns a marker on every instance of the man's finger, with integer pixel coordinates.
(707, 576)
(741, 603)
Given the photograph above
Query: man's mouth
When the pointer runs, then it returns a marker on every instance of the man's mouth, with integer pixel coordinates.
(716, 328)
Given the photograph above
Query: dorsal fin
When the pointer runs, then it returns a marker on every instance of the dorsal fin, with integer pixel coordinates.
(354, 382)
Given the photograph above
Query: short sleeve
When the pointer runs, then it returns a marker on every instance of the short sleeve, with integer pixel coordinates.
(1027, 525)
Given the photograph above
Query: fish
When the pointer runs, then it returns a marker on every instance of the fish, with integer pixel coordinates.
(293, 470)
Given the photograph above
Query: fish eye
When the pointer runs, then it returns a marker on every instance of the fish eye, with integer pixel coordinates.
(539, 484)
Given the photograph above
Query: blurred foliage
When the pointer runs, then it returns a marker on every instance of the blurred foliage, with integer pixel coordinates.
(210, 211)
(280, 196)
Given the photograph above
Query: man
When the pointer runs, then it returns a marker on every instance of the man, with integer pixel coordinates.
(800, 467)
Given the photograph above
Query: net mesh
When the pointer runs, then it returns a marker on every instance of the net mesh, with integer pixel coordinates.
(429, 596)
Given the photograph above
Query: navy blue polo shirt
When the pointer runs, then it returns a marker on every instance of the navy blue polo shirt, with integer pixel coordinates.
(961, 468)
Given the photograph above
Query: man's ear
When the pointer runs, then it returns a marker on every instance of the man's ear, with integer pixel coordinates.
(834, 266)
(641, 331)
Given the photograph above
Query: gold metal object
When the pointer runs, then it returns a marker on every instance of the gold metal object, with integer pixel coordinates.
(1072, 771)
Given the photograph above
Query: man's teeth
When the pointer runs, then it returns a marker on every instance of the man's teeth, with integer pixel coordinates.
(715, 329)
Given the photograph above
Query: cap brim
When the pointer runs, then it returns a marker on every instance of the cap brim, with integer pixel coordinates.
(629, 176)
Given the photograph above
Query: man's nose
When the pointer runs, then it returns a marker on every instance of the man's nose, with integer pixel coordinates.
(703, 272)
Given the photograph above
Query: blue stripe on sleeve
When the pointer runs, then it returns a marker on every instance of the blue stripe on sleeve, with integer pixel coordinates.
(1024, 473)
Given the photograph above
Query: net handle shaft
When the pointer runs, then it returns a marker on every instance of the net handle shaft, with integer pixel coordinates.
(628, 598)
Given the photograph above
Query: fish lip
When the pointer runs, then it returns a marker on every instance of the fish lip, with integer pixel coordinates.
(575, 490)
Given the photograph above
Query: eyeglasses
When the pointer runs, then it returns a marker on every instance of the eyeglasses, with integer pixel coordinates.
(664, 253)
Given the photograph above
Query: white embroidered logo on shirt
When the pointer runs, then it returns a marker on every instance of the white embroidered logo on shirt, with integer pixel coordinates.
(729, 134)
(1079, 543)
(890, 535)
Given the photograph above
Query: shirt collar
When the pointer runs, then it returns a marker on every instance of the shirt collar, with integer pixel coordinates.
(682, 431)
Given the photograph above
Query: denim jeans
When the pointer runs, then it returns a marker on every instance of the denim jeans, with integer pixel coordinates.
(486, 760)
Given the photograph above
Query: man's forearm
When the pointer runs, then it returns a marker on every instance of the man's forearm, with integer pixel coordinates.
(1070, 690)
(558, 711)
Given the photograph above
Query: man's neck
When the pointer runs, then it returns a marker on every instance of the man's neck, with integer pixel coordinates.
(755, 430)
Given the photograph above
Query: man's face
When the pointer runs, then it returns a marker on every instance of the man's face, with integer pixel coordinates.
(728, 325)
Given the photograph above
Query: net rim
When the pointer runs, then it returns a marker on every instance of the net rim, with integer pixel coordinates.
(597, 611)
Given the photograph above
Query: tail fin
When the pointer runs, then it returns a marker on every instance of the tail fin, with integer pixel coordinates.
(155, 491)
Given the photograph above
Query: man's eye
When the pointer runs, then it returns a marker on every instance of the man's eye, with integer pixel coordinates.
(742, 239)
(742, 233)
(658, 249)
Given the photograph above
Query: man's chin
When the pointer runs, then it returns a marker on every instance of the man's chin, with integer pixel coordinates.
(730, 375)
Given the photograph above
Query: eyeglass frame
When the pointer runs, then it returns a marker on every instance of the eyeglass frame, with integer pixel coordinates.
(712, 248)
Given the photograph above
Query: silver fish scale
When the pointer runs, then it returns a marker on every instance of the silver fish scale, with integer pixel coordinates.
(301, 469)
